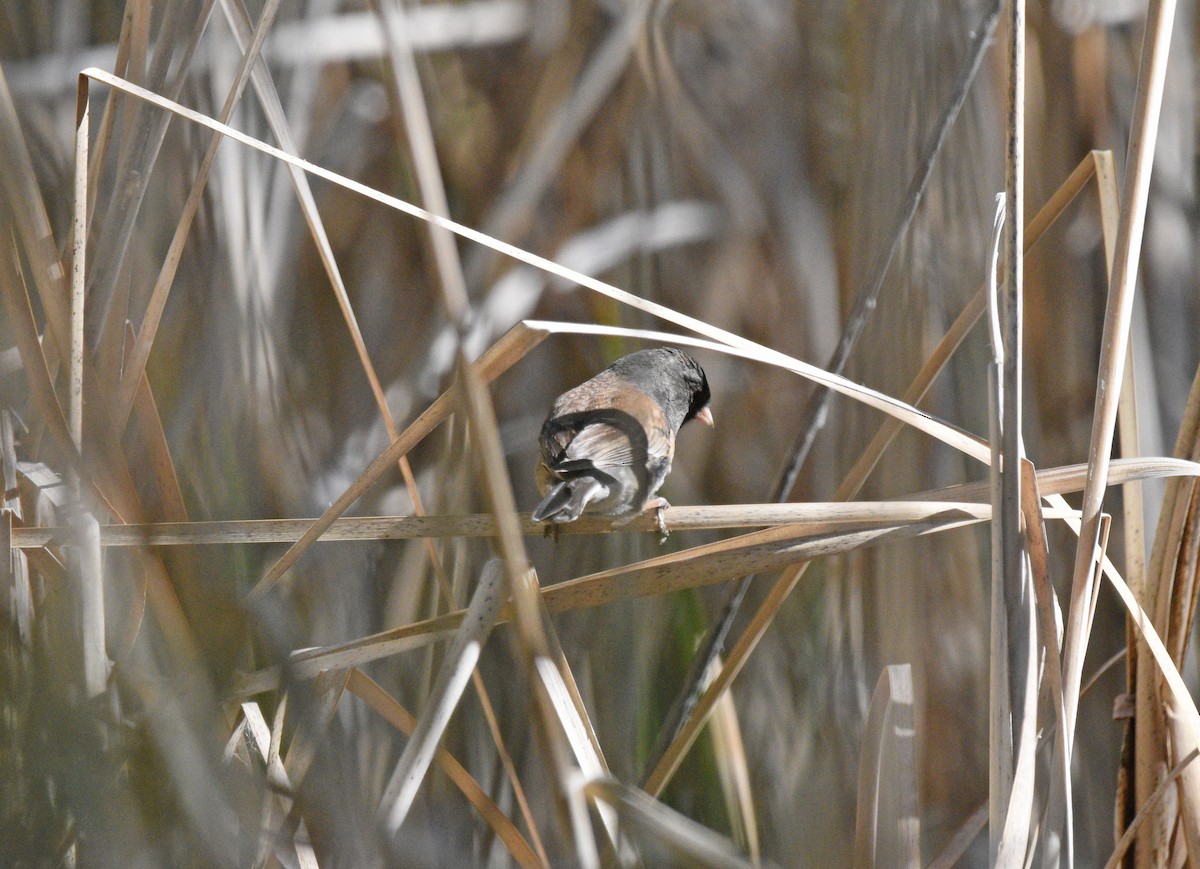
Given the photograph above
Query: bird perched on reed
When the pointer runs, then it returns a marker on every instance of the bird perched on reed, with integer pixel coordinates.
(607, 444)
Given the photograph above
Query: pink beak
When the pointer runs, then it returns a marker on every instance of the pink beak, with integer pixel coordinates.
(705, 416)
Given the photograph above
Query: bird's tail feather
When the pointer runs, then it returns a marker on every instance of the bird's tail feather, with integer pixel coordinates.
(567, 500)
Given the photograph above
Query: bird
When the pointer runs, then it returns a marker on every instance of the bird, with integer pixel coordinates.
(607, 445)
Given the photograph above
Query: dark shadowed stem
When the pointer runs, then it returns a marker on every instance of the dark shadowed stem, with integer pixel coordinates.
(817, 409)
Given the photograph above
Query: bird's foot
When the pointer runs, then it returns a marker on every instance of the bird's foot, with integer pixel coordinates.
(659, 505)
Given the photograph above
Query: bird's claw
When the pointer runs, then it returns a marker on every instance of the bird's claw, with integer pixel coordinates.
(659, 505)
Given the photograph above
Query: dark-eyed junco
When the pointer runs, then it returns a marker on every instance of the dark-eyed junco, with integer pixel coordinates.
(607, 444)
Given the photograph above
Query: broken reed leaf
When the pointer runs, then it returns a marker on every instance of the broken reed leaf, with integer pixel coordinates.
(677, 832)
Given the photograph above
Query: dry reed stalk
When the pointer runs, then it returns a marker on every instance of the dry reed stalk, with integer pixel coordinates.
(966, 498)
(1001, 738)
(820, 513)
(107, 481)
(1114, 347)
(1169, 594)
(1013, 692)
(86, 565)
(1150, 805)
(1049, 615)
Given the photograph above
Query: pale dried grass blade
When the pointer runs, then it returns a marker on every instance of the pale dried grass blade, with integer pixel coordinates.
(85, 568)
(578, 719)
(1012, 632)
(1049, 620)
(888, 826)
(371, 693)
(1174, 609)
(1184, 743)
(1066, 479)
(1150, 732)
(85, 563)
(1000, 676)
(276, 777)
(561, 698)
(1115, 341)
(443, 699)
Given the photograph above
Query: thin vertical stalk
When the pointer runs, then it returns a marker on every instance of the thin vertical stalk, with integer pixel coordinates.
(1012, 621)
(86, 562)
(1000, 747)
(78, 273)
(1114, 343)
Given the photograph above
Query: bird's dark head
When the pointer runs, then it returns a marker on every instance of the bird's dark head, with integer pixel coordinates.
(672, 378)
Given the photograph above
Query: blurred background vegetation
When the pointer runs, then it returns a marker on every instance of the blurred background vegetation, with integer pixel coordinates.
(745, 162)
